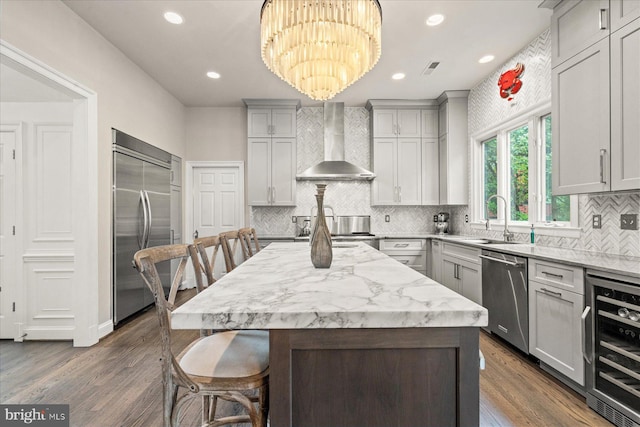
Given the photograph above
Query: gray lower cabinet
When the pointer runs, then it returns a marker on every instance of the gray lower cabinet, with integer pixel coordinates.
(556, 303)
(462, 271)
(436, 260)
(410, 252)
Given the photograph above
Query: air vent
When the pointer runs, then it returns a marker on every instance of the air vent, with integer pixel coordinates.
(430, 67)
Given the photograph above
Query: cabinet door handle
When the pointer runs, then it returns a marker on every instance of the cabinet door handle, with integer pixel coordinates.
(273, 194)
(399, 194)
(559, 276)
(269, 195)
(603, 153)
(603, 19)
(552, 293)
(585, 354)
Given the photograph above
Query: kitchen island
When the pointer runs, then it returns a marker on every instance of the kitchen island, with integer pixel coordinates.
(368, 341)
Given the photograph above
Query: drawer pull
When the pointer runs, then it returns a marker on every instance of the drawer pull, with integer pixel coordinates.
(555, 294)
(559, 276)
(405, 261)
(400, 245)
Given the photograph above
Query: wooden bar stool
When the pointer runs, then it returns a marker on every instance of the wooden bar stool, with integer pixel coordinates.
(229, 241)
(249, 242)
(202, 263)
(225, 365)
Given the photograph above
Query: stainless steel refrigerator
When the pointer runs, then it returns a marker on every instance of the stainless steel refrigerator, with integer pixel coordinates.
(141, 217)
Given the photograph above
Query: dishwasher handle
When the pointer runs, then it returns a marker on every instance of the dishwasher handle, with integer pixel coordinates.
(502, 261)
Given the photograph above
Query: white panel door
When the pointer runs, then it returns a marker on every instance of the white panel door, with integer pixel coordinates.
(8, 283)
(217, 203)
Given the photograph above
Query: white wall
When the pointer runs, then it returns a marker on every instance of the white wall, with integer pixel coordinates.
(218, 134)
(128, 99)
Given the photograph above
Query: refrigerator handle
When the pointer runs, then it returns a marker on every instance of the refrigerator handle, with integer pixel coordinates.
(145, 225)
(146, 243)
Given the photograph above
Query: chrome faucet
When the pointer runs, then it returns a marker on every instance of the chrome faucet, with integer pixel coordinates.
(508, 235)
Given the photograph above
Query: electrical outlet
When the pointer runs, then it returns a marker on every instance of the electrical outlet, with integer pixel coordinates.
(629, 221)
(294, 219)
(597, 221)
(466, 218)
(435, 218)
(387, 218)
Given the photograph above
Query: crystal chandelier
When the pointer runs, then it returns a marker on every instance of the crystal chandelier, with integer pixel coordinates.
(320, 46)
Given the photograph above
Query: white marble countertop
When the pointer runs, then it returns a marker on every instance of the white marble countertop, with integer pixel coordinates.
(613, 263)
(279, 288)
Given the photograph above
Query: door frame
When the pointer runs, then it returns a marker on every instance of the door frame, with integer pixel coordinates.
(17, 292)
(85, 128)
(187, 237)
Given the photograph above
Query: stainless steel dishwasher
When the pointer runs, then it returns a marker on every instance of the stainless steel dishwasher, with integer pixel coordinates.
(504, 295)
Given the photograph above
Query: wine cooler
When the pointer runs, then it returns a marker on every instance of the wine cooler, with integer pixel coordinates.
(612, 347)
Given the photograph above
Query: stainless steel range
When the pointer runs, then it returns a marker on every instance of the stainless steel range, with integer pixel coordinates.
(348, 228)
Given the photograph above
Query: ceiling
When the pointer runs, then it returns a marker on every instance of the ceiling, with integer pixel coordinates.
(224, 36)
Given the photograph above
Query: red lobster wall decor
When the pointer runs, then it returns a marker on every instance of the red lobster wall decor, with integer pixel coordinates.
(509, 81)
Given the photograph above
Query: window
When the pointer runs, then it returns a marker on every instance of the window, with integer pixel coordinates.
(519, 177)
(556, 208)
(514, 162)
(490, 175)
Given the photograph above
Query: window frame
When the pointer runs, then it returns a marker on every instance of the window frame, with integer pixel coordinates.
(533, 118)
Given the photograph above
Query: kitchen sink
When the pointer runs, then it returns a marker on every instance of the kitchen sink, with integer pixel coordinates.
(489, 241)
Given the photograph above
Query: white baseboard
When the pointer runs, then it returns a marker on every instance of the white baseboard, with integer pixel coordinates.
(105, 328)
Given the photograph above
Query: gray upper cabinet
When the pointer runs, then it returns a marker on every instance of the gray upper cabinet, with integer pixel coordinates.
(396, 150)
(625, 107)
(391, 122)
(623, 12)
(271, 152)
(595, 96)
(453, 147)
(271, 118)
(580, 130)
(576, 25)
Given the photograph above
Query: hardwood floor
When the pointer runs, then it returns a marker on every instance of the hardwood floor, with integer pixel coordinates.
(117, 382)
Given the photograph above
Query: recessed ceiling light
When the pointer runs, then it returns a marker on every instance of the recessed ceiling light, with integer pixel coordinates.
(398, 76)
(486, 58)
(173, 17)
(434, 20)
(213, 75)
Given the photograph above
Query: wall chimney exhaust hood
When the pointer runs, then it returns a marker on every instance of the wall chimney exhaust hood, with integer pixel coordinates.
(334, 167)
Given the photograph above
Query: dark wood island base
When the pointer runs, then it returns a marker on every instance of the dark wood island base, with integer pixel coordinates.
(374, 377)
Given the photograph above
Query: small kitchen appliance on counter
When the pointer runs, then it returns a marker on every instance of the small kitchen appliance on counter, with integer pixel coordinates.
(442, 222)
